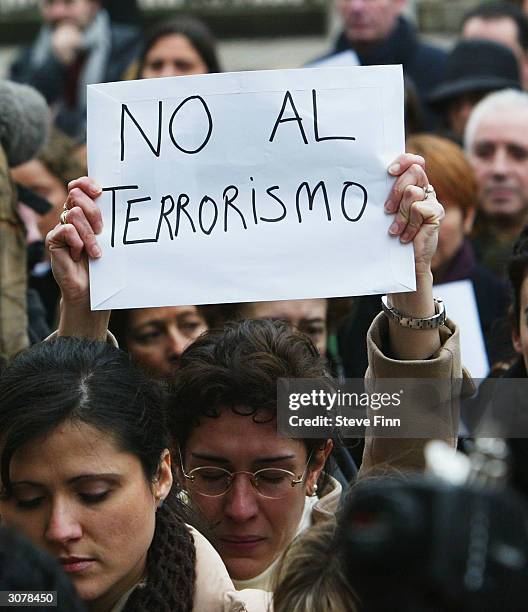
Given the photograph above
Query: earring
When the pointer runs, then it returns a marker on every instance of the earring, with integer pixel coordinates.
(160, 503)
(314, 491)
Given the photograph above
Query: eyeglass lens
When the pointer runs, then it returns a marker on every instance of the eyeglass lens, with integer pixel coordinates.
(269, 482)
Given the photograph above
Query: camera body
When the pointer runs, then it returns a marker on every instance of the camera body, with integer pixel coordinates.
(423, 544)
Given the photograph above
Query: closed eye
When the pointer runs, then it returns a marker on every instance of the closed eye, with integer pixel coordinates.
(94, 498)
(272, 477)
(28, 504)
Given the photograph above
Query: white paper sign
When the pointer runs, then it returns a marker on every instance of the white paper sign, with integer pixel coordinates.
(461, 306)
(246, 187)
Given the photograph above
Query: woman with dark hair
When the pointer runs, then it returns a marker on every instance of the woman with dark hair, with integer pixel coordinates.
(86, 475)
(156, 337)
(223, 418)
(179, 47)
(233, 373)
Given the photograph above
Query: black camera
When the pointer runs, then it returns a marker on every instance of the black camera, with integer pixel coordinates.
(423, 545)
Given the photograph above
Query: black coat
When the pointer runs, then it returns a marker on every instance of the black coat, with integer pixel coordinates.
(51, 77)
(423, 63)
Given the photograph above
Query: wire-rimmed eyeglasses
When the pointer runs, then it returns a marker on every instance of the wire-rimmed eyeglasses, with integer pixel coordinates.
(213, 481)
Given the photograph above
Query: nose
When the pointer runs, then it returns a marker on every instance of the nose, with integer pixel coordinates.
(167, 70)
(500, 163)
(171, 70)
(241, 502)
(176, 342)
(63, 526)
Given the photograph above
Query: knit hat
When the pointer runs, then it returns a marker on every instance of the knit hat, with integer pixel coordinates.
(24, 121)
(476, 66)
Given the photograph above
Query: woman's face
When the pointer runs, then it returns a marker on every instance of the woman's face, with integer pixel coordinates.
(172, 55)
(87, 503)
(248, 530)
(156, 337)
(308, 316)
(454, 227)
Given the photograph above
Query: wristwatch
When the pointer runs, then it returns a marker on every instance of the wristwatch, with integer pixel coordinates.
(413, 323)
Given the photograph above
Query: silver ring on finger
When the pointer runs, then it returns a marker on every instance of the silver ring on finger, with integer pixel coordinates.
(64, 217)
(428, 191)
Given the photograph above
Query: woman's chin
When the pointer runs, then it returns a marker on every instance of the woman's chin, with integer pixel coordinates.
(244, 569)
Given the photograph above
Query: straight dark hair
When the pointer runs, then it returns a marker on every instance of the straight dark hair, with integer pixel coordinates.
(73, 379)
(196, 32)
(81, 381)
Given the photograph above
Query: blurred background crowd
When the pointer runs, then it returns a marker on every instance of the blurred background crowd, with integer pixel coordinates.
(466, 51)
(465, 65)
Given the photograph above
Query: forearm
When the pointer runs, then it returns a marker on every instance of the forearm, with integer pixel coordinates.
(78, 320)
(411, 344)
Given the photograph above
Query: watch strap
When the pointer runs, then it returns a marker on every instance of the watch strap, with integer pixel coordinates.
(433, 322)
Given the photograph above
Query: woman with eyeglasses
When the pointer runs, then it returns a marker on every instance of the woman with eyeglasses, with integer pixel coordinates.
(255, 489)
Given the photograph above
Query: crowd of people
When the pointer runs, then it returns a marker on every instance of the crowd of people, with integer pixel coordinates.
(140, 464)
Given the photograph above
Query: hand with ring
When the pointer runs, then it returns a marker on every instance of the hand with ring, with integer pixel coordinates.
(73, 240)
(63, 218)
(417, 211)
(417, 217)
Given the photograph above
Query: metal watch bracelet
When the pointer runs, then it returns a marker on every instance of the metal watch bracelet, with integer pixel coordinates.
(437, 320)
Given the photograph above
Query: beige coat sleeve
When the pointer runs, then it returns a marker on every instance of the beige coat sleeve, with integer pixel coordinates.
(382, 454)
(214, 590)
(13, 274)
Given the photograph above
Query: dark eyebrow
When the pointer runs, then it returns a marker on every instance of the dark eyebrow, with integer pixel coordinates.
(274, 459)
(152, 322)
(207, 457)
(103, 476)
(30, 483)
(81, 477)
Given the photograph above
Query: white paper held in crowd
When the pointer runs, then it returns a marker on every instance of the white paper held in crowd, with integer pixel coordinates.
(461, 304)
(246, 186)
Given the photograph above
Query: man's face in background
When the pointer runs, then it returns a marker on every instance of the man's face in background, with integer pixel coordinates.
(76, 12)
(499, 156)
(369, 21)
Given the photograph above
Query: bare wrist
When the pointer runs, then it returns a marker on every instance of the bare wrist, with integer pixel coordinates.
(417, 303)
(79, 321)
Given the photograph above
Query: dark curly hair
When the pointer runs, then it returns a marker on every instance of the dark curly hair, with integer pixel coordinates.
(237, 368)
